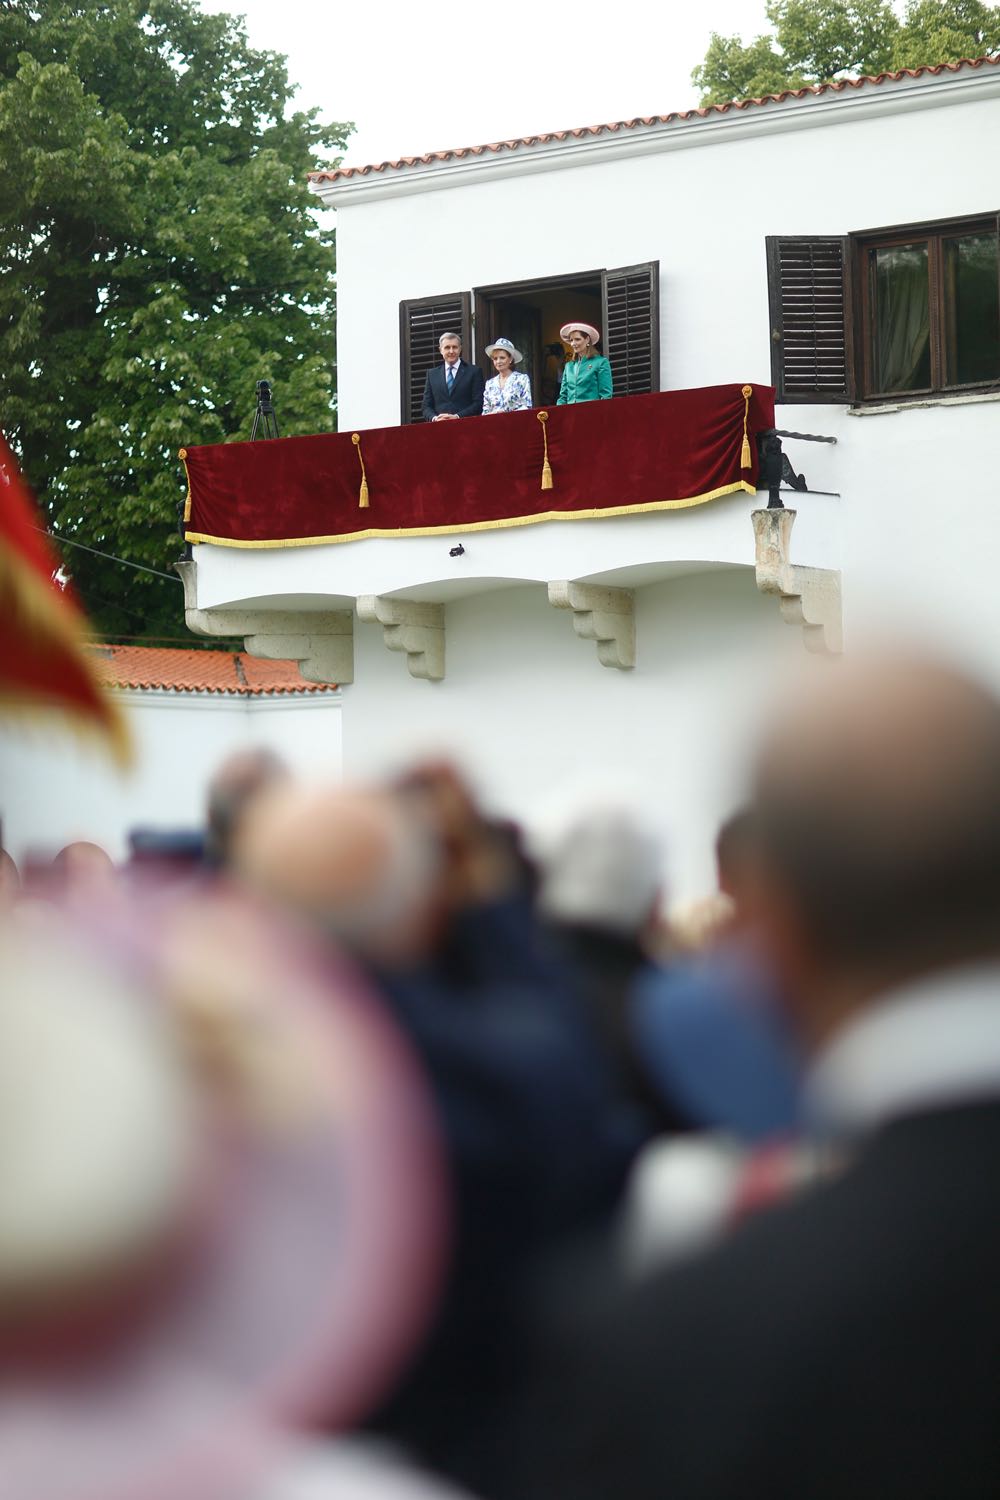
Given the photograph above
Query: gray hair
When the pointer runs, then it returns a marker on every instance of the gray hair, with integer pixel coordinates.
(456, 336)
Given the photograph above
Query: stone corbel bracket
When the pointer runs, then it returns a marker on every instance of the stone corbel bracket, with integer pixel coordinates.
(809, 597)
(322, 642)
(604, 615)
(410, 626)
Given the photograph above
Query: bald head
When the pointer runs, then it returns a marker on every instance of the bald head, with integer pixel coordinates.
(349, 859)
(877, 811)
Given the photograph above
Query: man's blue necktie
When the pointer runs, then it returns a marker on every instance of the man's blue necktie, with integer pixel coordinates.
(451, 379)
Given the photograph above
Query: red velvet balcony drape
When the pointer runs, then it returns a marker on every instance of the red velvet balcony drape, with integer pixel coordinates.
(607, 458)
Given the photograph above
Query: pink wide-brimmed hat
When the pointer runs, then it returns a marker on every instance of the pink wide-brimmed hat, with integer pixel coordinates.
(593, 334)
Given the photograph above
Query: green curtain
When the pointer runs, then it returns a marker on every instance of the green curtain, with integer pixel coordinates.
(902, 319)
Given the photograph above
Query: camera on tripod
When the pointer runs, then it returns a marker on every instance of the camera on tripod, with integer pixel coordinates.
(265, 423)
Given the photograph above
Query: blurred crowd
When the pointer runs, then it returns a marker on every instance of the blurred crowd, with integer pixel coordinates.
(352, 1146)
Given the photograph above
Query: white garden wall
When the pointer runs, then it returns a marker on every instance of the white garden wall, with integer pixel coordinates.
(54, 789)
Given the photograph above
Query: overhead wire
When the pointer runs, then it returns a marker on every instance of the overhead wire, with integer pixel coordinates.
(109, 556)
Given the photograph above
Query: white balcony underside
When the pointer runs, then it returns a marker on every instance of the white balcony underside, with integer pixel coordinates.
(622, 551)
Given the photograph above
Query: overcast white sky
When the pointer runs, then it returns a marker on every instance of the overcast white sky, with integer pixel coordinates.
(422, 77)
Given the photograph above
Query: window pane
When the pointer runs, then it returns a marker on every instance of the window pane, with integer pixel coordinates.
(972, 308)
(902, 319)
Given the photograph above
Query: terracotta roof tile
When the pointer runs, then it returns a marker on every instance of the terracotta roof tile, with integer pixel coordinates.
(183, 670)
(702, 112)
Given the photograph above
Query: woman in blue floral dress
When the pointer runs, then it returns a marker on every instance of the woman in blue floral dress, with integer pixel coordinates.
(509, 390)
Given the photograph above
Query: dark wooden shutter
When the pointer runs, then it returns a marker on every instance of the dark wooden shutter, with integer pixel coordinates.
(632, 327)
(422, 321)
(809, 297)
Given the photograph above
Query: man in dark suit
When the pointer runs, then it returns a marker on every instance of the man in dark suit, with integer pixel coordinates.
(453, 388)
(845, 1345)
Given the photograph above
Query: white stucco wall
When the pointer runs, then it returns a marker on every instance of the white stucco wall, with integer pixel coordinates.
(538, 723)
(914, 522)
(55, 788)
(917, 525)
(702, 208)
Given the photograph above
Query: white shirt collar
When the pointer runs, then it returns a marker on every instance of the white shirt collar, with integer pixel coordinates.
(925, 1045)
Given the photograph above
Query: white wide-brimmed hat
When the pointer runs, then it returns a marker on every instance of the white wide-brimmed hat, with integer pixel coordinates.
(515, 354)
(593, 334)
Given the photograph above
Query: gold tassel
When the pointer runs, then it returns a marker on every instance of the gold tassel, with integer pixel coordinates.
(543, 417)
(182, 454)
(745, 461)
(363, 496)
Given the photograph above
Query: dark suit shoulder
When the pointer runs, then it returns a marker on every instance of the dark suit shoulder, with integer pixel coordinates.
(840, 1346)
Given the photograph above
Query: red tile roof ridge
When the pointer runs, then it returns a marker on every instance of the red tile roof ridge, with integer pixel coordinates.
(185, 669)
(701, 111)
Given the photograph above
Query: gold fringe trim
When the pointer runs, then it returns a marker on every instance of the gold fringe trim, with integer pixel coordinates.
(44, 613)
(543, 417)
(742, 486)
(747, 392)
(182, 454)
(363, 496)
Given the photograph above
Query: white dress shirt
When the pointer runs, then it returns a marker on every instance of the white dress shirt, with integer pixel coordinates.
(925, 1045)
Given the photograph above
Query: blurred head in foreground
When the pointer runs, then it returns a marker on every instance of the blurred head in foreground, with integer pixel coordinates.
(222, 1199)
(10, 880)
(241, 777)
(354, 861)
(734, 857)
(877, 826)
(84, 869)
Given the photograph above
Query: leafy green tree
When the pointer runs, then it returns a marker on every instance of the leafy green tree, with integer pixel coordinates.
(160, 253)
(944, 30)
(732, 70)
(816, 41)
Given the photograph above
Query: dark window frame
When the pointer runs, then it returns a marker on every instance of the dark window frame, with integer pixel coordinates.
(613, 281)
(633, 347)
(857, 273)
(934, 233)
(488, 327)
(477, 328)
(409, 397)
(838, 284)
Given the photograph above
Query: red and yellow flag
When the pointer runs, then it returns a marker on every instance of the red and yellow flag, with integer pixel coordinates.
(43, 667)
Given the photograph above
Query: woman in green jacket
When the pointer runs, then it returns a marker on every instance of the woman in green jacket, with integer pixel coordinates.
(587, 376)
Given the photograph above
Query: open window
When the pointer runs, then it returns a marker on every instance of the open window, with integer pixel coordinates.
(623, 303)
(530, 314)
